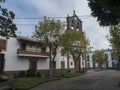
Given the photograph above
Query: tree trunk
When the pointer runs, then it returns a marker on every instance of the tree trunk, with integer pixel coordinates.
(85, 62)
(68, 63)
(100, 66)
(75, 67)
(80, 65)
(50, 63)
(106, 65)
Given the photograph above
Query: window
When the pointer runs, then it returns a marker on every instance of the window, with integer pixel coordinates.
(88, 58)
(71, 63)
(30, 46)
(93, 65)
(53, 64)
(88, 65)
(62, 65)
(112, 58)
(23, 46)
(37, 47)
(113, 64)
(43, 49)
(83, 63)
(33, 65)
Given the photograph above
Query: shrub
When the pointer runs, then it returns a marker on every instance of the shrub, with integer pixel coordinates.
(30, 73)
(21, 74)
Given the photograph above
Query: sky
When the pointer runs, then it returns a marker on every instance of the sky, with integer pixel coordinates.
(57, 8)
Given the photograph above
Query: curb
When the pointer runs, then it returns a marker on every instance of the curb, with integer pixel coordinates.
(47, 81)
(36, 85)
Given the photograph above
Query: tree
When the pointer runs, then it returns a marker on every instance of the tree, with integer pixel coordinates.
(74, 43)
(107, 12)
(100, 57)
(115, 40)
(106, 60)
(7, 27)
(49, 33)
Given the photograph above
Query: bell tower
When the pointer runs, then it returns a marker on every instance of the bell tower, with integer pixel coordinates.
(73, 22)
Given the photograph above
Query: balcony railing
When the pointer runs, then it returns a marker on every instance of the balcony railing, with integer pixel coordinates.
(21, 52)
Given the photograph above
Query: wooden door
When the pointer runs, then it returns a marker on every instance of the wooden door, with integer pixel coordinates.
(1, 62)
(53, 64)
(62, 64)
(88, 65)
(33, 65)
(78, 65)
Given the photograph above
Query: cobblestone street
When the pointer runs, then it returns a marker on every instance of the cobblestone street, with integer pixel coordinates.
(103, 80)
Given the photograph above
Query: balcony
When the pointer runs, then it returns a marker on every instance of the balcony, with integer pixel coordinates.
(25, 53)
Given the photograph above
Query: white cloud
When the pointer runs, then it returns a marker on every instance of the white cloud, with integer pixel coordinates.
(96, 34)
(60, 8)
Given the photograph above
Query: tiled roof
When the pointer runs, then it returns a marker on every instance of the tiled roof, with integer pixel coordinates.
(27, 39)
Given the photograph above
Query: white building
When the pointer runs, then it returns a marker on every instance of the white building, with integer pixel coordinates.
(111, 61)
(21, 54)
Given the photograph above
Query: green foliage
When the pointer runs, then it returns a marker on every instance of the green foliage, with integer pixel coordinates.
(100, 57)
(74, 42)
(106, 11)
(7, 27)
(26, 83)
(48, 29)
(115, 40)
(48, 32)
(30, 73)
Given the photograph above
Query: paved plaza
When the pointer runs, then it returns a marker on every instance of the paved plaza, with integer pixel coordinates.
(102, 80)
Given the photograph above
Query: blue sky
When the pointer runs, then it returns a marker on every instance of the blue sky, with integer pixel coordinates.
(57, 8)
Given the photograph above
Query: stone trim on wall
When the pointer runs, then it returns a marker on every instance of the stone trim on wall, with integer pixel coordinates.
(40, 72)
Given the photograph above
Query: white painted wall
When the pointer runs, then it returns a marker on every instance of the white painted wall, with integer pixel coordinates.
(15, 63)
(12, 61)
(60, 58)
(64, 58)
(43, 64)
(90, 59)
